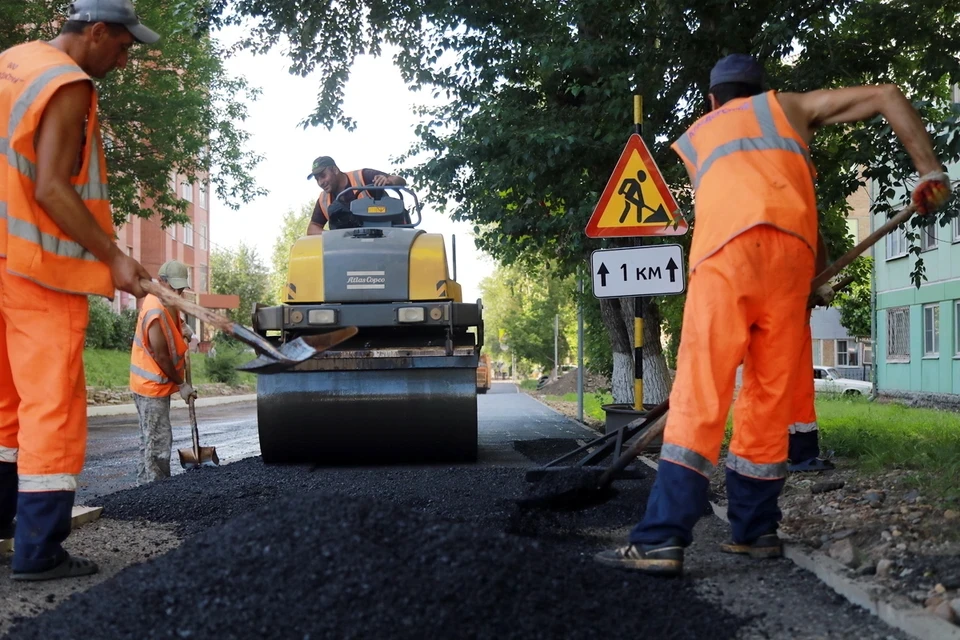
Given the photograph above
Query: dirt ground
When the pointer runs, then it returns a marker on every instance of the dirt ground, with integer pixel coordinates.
(100, 396)
(113, 544)
(888, 535)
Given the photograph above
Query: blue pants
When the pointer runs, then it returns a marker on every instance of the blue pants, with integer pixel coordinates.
(43, 522)
(679, 498)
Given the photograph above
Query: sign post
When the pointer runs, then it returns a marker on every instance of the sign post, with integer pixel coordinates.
(637, 203)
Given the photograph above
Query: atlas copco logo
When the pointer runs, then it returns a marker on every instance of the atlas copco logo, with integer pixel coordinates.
(366, 280)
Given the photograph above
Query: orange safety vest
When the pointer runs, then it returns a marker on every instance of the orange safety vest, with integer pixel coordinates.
(35, 247)
(354, 179)
(748, 167)
(146, 376)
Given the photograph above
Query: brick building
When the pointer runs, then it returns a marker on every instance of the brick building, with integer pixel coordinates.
(151, 245)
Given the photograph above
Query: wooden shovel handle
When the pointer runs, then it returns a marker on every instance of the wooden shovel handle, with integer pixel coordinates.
(171, 299)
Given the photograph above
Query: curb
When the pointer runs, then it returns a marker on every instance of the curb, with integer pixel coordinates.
(915, 623)
(593, 432)
(131, 409)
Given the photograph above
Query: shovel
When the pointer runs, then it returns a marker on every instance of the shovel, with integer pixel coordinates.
(572, 491)
(197, 456)
(289, 354)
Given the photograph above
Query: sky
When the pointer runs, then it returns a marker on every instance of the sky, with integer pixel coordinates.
(384, 113)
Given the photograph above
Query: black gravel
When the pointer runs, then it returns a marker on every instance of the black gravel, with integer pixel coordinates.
(290, 552)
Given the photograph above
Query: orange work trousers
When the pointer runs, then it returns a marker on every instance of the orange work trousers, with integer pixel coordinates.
(747, 303)
(804, 418)
(43, 398)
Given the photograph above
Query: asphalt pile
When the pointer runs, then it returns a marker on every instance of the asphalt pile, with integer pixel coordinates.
(291, 552)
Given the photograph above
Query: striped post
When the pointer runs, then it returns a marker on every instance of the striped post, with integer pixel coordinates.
(638, 301)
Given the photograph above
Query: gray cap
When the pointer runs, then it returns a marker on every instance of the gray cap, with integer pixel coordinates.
(175, 273)
(115, 12)
(737, 67)
(320, 164)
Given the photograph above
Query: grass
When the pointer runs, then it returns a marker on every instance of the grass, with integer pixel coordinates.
(530, 385)
(876, 436)
(110, 368)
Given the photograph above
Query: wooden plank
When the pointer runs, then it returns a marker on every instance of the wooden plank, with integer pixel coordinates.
(84, 515)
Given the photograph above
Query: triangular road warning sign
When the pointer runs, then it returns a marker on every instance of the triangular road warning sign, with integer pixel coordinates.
(636, 200)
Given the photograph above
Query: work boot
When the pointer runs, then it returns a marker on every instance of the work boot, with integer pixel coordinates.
(768, 545)
(663, 559)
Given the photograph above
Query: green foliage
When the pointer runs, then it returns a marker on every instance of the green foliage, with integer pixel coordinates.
(854, 302)
(173, 108)
(293, 227)
(240, 272)
(520, 304)
(222, 367)
(106, 367)
(99, 325)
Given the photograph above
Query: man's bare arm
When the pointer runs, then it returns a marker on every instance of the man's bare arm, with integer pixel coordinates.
(59, 142)
(808, 112)
(314, 229)
(161, 352)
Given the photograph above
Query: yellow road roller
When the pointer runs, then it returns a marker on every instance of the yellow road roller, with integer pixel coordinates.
(404, 388)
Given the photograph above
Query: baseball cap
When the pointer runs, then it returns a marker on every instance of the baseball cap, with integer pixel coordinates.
(112, 11)
(736, 67)
(175, 273)
(319, 164)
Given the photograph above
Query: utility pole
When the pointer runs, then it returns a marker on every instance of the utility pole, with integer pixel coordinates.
(580, 349)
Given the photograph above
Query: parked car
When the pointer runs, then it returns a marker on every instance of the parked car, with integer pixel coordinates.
(829, 380)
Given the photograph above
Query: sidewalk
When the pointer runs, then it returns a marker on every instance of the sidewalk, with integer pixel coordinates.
(131, 409)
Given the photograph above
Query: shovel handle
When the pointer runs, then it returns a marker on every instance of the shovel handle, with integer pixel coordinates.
(194, 433)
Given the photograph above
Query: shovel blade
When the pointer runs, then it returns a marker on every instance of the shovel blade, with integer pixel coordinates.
(296, 351)
(208, 458)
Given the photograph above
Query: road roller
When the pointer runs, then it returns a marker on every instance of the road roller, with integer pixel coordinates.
(403, 389)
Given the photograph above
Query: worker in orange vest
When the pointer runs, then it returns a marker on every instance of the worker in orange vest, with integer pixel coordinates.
(56, 248)
(751, 262)
(157, 371)
(333, 181)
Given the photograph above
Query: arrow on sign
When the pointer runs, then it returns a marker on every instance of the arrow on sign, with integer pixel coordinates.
(672, 268)
(602, 272)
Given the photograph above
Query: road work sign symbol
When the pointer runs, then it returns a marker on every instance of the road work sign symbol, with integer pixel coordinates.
(653, 270)
(636, 200)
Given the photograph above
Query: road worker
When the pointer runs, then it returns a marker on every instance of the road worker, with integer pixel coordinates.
(158, 371)
(751, 263)
(333, 181)
(56, 248)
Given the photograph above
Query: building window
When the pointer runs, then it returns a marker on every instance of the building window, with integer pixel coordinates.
(853, 230)
(931, 330)
(896, 244)
(898, 334)
(203, 196)
(955, 229)
(202, 232)
(956, 327)
(848, 354)
(188, 234)
(186, 191)
(190, 278)
(173, 181)
(928, 237)
(203, 279)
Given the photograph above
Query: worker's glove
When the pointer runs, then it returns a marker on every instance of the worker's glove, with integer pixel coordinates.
(932, 192)
(187, 332)
(823, 296)
(187, 391)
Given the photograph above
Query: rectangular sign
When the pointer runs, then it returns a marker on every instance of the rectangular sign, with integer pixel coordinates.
(654, 270)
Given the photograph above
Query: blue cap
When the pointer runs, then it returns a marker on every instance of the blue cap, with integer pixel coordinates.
(737, 67)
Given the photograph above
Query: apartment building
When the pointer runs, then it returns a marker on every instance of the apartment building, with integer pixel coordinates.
(151, 245)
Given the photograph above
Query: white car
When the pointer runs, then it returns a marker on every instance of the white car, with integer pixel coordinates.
(828, 380)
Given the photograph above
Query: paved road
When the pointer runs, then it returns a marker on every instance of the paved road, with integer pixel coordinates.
(505, 415)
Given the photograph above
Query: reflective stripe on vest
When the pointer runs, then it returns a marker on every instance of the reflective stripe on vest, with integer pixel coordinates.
(765, 471)
(354, 179)
(146, 376)
(748, 167)
(34, 245)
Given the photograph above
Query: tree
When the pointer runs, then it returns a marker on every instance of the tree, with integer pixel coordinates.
(240, 272)
(854, 302)
(536, 102)
(174, 108)
(521, 303)
(293, 227)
